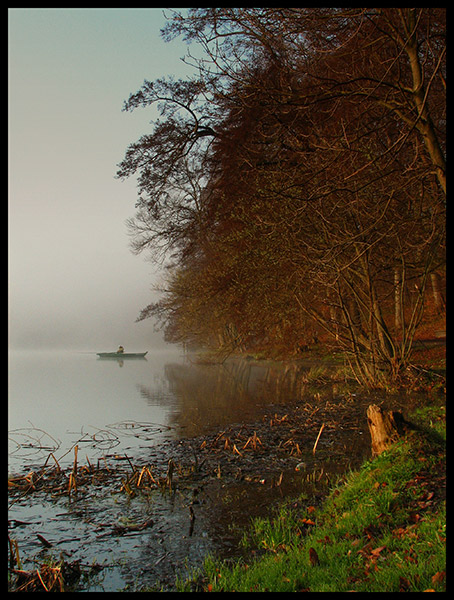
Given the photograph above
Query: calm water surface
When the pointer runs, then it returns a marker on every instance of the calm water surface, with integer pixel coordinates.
(55, 399)
(58, 399)
(109, 408)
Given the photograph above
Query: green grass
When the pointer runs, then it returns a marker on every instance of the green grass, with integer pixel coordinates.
(381, 530)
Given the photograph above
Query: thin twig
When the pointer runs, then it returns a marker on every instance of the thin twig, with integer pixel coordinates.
(318, 437)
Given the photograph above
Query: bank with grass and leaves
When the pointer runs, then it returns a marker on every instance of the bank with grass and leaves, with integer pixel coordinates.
(382, 528)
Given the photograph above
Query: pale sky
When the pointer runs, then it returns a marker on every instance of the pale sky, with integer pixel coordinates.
(73, 281)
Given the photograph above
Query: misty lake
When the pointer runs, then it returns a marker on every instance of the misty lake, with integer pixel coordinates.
(145, 410)
(57, 399)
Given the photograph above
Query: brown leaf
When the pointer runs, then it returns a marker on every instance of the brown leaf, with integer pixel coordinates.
(376, 551)
(438, 577)
(399, 532)
(313, 557)
(415, 517)
(404, 584)
(325, 540)
(365, 549)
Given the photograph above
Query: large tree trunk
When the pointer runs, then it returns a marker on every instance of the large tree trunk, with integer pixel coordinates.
(384, 426)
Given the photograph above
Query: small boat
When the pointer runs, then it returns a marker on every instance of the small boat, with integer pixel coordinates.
(121, 355)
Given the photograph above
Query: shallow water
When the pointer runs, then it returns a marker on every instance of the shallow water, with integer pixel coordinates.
(59, 399)
(142, 408)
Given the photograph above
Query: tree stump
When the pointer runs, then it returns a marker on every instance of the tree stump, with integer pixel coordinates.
(384, 427)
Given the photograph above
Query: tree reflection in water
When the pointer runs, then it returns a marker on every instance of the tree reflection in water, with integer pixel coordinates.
(207, 397)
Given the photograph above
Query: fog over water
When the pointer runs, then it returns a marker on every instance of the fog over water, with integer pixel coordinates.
(73, 281)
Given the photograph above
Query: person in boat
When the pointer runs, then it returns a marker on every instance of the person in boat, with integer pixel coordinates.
(120, 350)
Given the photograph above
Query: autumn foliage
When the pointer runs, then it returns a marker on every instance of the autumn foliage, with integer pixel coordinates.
(297, 183)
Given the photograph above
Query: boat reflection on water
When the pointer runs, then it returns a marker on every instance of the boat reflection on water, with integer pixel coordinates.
(121, 356)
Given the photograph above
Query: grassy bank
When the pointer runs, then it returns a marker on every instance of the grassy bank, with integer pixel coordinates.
(381, 529)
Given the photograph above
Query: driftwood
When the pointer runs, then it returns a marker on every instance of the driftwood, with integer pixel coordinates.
(384, 427)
